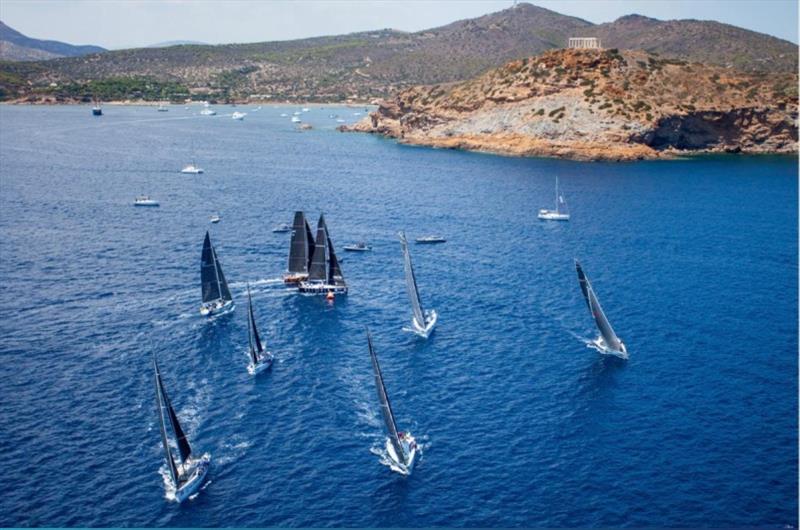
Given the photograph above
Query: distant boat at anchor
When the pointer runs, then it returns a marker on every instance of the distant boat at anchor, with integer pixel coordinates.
(189, 472)
(430, 239)
(560, 213)
(301, 248)
(192, 169)
(607, 342)
(217, 297)
(422, 322)
(324, 274)
(401, 447)
(238, 115)
(361, 246)
(97, 110)
(145, 200)
(260, 359)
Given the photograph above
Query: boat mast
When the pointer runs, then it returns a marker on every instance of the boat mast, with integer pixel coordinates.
(249, 330)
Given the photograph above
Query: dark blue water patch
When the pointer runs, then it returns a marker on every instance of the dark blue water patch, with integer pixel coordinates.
(694, 261)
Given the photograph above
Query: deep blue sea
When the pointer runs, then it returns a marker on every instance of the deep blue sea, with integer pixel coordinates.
(695, 263)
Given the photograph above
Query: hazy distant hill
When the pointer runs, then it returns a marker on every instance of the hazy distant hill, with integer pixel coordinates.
(378, 63)
(14, 46)
(167, 44)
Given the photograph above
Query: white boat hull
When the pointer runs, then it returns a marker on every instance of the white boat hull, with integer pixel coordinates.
(549, 215)
(396, 463)
(197, 471)
(600, 345)
(148, 203)
(191, 170)
(264, 363)
(424, 330)
(217, 307)
(321, 288)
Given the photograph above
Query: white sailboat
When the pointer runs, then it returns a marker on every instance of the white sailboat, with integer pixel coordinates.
(422, 322)
(607, 342)
(401, 447)
(260, 359)
(217, 297)
(189, 472)
(207, 110)
(560, 213)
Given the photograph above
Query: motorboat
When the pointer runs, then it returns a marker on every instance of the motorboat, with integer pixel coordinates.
(282, 228)
(358, 247)
(145, 200)
(238, 116)
(192, 169)
(296, 119)
(215, 219)
(430, 239)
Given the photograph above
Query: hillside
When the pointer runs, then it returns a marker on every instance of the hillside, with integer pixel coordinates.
(14, 46)
(598, 105)
(366, 65)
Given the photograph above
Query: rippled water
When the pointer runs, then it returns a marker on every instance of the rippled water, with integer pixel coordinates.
(694, 261)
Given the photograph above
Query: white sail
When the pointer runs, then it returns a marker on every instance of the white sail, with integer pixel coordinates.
(411, 283)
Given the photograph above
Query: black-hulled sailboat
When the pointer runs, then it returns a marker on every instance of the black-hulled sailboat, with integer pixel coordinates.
(422, 322)
(401, 447)
(607, 342)
(300, 250)
(260, 359)
(189, 472)
(217, 297)
(324, 274)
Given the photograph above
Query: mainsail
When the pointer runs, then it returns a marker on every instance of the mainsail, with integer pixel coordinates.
(319, 260)
(386, 407)
(184, 449)
(302, 245)
(606, 331)
(334, 269)
(411, 283)
(212, 279)
(252, 333)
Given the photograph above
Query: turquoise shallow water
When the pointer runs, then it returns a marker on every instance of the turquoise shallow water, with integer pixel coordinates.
(695, 263)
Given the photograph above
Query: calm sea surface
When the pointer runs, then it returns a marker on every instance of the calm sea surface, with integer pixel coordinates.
(695, 263)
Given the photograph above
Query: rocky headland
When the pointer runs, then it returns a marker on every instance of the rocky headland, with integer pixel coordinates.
(598, 105)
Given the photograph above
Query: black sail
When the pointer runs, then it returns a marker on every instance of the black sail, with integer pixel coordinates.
(603, 325)
(173, 470)
(255, 340)
(301, 246)
(208, 272)
(386, 407)
(335, 270)
(184, 449)
(223, 283)
(319, 260)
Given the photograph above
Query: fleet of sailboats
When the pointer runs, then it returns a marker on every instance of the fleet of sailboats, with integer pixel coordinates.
(189, 472)
(422, 322)
(324, 274)
(260, 359)
(607, 342)
(217, 297)
(401, 447)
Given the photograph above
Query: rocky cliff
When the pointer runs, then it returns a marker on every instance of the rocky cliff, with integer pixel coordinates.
(598, 105)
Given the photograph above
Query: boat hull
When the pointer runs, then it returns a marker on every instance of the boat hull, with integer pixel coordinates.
(320, 288)
(191, 171)
(197, 475)
(430, 241)
(550, 215)
(149, 204)
(217, 307)
(600, 345)
(396, 463)
(263, 364)
(424, 331)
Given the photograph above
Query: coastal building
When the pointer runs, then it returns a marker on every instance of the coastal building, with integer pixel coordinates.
(591, 43)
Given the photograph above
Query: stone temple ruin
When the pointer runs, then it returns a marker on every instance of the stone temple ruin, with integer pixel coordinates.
(591, 43)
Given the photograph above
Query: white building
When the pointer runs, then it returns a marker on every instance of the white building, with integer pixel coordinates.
(591, 43)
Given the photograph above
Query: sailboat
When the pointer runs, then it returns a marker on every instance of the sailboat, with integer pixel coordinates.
(189, 472)
(607, 342)
(422, 322)
(324, 274)
(401, 447)
(300, 250)
(217, 297)
(259, 358)
(560, 213)
(97, 110)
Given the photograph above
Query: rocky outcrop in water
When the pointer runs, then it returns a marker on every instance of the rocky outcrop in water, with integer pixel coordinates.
(598, 105)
